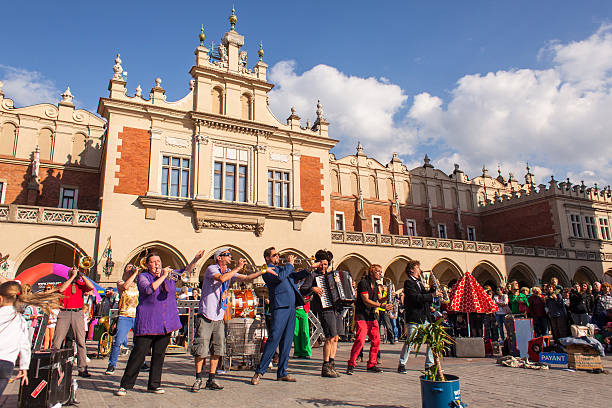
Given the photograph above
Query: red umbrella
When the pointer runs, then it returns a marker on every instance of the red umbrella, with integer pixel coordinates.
(469, 297)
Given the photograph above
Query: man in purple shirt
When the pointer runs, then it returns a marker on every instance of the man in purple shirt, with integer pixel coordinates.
(209, 323)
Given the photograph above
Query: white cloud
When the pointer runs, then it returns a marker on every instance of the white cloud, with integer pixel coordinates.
(27, 87)
(358, 108)
(557, 119)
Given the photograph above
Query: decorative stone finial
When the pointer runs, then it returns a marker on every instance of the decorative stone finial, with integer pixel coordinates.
(498, 170)
(261, 51)
(233, 19)
(359, 148)
(67, 96)
(511, 177)
(427, 161)
(485, 172)
(191, 84)
(293, 110)
(118, 69)
(158, 82)
(308, 124)
(319, 110)
(138, 90)
(202, 37)
(582, 185)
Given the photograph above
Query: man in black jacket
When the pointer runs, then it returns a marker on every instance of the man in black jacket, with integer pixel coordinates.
(417, 304)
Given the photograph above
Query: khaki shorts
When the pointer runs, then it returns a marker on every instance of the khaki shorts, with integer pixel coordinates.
(209, 338)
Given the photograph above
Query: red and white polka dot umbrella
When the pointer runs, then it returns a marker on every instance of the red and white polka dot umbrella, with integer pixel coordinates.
(469, 297)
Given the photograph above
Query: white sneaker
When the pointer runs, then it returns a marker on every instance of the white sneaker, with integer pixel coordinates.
(88, 359)
(121, 392)
(157, 390)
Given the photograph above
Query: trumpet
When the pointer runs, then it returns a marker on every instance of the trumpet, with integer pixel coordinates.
(255, 268)
(85, 262)
(179, 275)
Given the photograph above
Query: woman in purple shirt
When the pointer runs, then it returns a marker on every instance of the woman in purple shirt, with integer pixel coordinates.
(156, 318)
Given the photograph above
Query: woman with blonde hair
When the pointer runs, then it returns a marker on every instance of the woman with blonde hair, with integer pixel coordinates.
(50, 330)
(14, 329)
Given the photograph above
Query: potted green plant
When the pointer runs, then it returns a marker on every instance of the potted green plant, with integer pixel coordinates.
(437, 389)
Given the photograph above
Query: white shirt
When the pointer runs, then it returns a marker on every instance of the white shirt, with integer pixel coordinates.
(14, 332)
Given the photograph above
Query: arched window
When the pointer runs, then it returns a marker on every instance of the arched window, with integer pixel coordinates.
(8, 134)
(217, 100)
(78, 149)
(390, 194)
(407, 192)
(354, 184)
(245, 103)
(45, 143)
(335, 185)
(372, 187)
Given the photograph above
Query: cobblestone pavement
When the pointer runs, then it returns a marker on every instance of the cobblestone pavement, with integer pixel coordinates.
(483, 384)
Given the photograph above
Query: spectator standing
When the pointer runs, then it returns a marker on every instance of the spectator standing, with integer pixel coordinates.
(577, 306)
(501, 300)
(537, 311)
(556, 312)
(517, 300)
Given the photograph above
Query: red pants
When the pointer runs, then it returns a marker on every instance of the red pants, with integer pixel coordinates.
(371, 329)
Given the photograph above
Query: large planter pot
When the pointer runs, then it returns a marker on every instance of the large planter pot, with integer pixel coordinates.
(441, 394)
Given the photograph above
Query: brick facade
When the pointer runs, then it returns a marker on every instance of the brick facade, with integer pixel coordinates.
(384, 209)
(133, 174)
(311, 184)
(530, 224)
(51, 180)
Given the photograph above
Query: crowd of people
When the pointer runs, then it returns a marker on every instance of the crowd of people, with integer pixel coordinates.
(147, 298)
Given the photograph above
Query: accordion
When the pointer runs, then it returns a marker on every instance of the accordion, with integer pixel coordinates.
(337, 289)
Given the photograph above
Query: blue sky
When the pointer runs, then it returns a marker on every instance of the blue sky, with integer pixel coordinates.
(472, 82)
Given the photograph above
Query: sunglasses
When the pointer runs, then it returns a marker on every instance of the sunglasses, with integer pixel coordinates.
(273, 255)
(225, 254)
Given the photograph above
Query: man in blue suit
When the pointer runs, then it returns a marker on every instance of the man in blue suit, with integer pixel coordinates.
(284, 297)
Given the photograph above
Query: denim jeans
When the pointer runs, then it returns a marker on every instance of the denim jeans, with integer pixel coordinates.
(501, 320)
(124, 325)
(395, 329)
(405, 353)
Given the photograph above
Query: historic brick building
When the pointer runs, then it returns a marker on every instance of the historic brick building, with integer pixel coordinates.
(216, 168)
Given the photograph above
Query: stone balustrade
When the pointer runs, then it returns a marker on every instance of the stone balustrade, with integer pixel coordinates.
(48, 215)
(404, 241)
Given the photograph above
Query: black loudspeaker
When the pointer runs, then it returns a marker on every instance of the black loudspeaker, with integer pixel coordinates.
(49, 379)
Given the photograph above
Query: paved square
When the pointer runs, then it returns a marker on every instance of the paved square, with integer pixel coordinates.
(483, 384)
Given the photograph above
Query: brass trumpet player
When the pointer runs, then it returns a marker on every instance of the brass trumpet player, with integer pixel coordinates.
(71, 315)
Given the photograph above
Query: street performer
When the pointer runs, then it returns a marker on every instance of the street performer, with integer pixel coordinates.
(417, 303)
(365, 319)
(156, 318)
(331, 318)
(284, 297)
(209, 324)
(71, 315)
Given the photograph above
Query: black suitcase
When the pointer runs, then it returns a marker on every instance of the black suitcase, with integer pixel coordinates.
(49, 379)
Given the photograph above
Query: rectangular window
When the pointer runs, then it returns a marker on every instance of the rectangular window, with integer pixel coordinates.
(471, 234)
(411, 228)
(576, 225)
(604, 229)
(590, 226)
(441, 230)
(68, 198)
(175, 177)
(279, 188)
(230, 177)
(2, 191)
(338, 221)
(376, 224)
